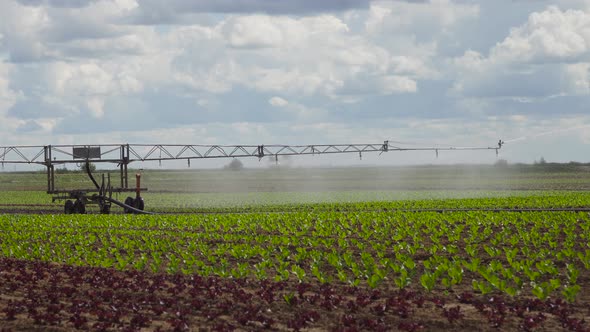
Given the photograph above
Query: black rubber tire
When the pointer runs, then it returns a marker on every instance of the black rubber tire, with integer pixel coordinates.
(129, 201)
(69, 207)
(138, 203)
(105, 209)
(79, 207)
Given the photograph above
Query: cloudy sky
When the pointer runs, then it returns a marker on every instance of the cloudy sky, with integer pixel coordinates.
(423, 72)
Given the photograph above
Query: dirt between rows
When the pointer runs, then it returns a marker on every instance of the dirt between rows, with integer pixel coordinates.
(39, 296)
(28, 211)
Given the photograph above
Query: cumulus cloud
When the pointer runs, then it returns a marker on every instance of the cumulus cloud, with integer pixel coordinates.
(579, 78)
(8, 97)
(417, 16)
(414, 32)
(278, 102)
(298, 112)
(29, 126)
(384, 85)
(42, 32)
(84, 79)
(412, 66)
(65, 89)
(545, 57)
(37, 107)
(551, 35)
(316, 55)
(253, 31)
(92, 22)
(21, 27)
(96, 107)
(397, 84)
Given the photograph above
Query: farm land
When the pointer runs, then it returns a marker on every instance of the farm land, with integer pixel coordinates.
(349, 249)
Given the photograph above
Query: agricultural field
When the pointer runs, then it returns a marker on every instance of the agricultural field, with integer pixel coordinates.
(374, 259)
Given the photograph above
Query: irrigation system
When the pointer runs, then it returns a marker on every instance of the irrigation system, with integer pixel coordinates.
(122, 155)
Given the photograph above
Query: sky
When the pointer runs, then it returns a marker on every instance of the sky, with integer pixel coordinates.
(423, 72)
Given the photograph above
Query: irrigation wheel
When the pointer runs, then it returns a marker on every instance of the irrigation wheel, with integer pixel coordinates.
(138, 203)
(129, 201)
(79, 207)
(69, 207)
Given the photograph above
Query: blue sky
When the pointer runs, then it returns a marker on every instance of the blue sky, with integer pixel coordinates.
(453, 72)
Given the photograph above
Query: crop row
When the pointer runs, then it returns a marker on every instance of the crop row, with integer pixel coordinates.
(534, 254)
(43, 294)
(278, 202)
(344, 201)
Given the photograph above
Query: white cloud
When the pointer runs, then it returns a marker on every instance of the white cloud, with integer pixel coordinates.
(578, 75)
(278, 102)
(545, 57)
(8, 96)
(518, 118)
(412, 66)
(21, 27)
(96, 107)
(84, 79)
(294, 81)
(298, 112)
(471, 61)
(94, 21)
(75, 79)
(252, 32)
(216, 79)
(394, 15)
(551, 35)
(309, 55)
(248, 129)
(40, 32)
(397, 84)
(378, 14)
(316, 55)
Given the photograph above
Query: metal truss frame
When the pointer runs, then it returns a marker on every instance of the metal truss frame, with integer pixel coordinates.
(124, 154)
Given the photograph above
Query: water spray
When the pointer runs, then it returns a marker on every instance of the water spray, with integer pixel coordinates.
(546, 133)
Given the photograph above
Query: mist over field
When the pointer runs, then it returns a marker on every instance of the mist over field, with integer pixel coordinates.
(331, 179)
(462, 177)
